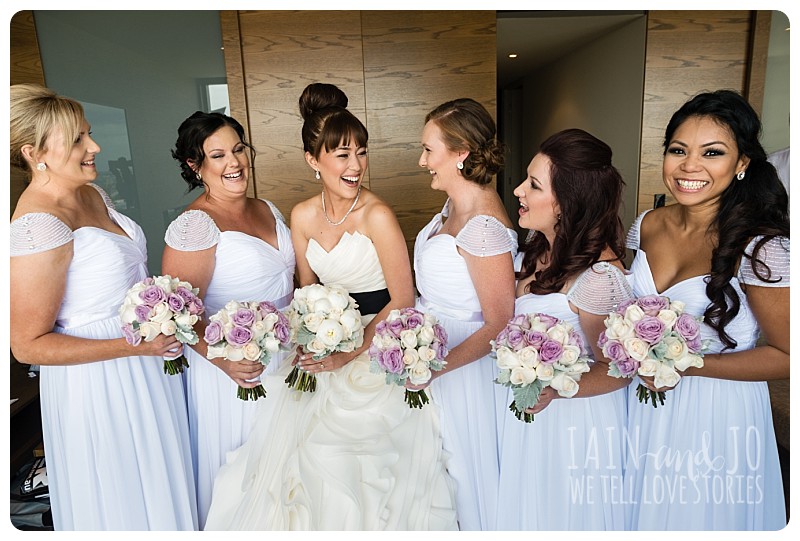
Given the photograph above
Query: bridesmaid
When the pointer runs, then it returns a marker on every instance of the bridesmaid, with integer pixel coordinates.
(115, 430)
(571, 269)
(232, 247)
(464, 267)
(732, 211)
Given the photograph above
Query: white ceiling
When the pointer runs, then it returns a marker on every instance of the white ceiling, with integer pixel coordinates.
(540, 37)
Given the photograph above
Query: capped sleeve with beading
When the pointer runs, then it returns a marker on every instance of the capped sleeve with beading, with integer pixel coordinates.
(192, 231)
(600, 288)
(485, 236)
(775, 255)
(37, 232)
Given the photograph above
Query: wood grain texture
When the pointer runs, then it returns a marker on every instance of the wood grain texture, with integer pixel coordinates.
(759, 56)
(687, 52)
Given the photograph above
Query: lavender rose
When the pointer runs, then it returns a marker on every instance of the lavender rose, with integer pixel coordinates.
(133, 337)
(281, 331)
(396, 327)
(195, 306)
(266, 307)
(152, 295)
(239, 336)
(650, 329)
(382, 327)
(627, 367)
(652, 304)
(414, 320)
(520, 321)
(441, 350)
(142, 312)
(621, 307)
(695, 345)
(502, 337)
(392, 360)
(185, 294)
(687, 326)
(535, 338)
(547, 319)
(550, 351)
(515, 339)
(175, 302)
(615, 351)
(244, 317)
(440, 333)
(213, 333)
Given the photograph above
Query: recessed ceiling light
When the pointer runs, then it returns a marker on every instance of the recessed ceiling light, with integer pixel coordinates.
(512, 55)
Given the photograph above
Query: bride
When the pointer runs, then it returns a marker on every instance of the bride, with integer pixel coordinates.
(351, 455)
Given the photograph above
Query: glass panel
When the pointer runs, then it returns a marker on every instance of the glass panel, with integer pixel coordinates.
(139, 74)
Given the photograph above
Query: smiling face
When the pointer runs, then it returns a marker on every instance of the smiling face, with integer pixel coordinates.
(342, 168)
(76, 165)
(701, 161)
(538, 206)
(437, 158)
(226, 166)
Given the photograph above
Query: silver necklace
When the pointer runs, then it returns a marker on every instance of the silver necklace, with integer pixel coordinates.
(346, 214)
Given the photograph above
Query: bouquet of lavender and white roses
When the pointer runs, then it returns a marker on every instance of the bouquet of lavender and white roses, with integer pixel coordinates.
(409, 345)
(323, 320)
(247, 330)
(535, 351)
(652, 336)
(161, 305)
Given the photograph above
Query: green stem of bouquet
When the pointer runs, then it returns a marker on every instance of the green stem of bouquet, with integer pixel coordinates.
(646, 395)
(175, 366)
(416, 399)
(253, 393)
(521, 415)
(301, 380)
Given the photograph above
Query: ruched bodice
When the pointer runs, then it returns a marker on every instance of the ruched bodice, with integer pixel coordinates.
(353, 263)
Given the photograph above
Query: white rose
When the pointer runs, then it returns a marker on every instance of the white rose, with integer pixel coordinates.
(565, 385)
(215, 351)
(350, 320)
(316, 346)
(338, 300)
(149, 330)
(186, 285)
(231, 307)
(676, 348)
(426, 354)
(271, 344)
(160, 313)
(259, 330)
(634, 313)
(677, 306)
(538, 325)
(330, 332)
(426, 336)
(522, 376)
(429, 320)
(251, 351)
(166, 283)
(575, 371)
(127, 313)
(528, 357)
(558, 333)
(636, 348)
(545, 372)
(666, 376)
(346, 346)
(314, 292)
(322, 306)
(668, 318)
(132, 296)
(410, 356)
(233, 353)
(393, 314)
(269, 321)
(186, 320)
(690, 359)
(408, 339)
(168, 328)
(648, 367)
(312, 321)
(507, 359)
(388, 341)
(570, 355)
(619, 328)
(419, 373)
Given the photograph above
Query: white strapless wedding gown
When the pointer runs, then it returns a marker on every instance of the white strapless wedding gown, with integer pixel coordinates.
(350, 456)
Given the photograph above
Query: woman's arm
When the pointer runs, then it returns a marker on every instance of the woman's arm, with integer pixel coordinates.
(38, 284)
(299, 220)
(197, 268)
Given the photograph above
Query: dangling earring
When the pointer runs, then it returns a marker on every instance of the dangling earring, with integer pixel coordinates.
(460, 165)
(199, 176)
(316, 174)
(740, 175)
(41, 166)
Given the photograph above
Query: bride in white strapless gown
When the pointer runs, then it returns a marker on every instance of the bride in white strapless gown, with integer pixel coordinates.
(350, 456)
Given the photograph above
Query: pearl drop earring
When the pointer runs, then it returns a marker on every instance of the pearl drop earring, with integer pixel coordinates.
(316, 174)
(460, 165)
(41, 166)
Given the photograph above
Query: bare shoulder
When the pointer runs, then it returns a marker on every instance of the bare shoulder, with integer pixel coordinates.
(304, 211)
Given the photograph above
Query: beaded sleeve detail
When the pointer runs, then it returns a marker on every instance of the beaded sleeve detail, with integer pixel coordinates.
(275, 211)
(106, 199)
(632, 240)
(600, 289)
(775, 255)
(485, 236)
(38, 232)
(192, 231)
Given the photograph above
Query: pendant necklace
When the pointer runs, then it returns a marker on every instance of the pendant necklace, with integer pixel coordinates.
(346, 214)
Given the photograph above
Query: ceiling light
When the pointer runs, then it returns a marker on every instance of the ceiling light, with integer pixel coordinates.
(512, 55)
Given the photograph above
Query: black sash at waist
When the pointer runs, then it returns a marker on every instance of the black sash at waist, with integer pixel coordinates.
(371, 302)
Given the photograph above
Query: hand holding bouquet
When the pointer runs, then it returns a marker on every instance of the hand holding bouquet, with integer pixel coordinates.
(408, 345)
(535, 351)
(161, 305)
(652, 336)
(323, 320)
(247, 330)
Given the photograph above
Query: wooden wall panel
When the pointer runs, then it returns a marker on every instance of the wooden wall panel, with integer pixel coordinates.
(413, 61)
(25, 65)
(282, 52)
(687, 52)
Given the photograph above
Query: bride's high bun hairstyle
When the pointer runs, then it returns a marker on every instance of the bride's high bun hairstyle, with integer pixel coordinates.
(467, 125)
(327, 123)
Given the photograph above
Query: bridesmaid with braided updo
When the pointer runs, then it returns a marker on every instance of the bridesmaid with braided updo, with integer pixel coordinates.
(231, 247)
